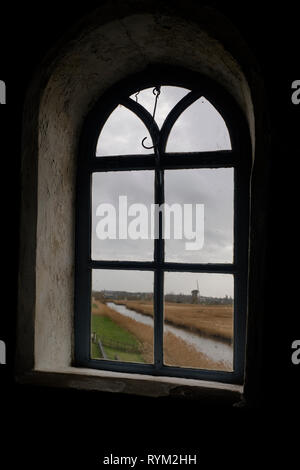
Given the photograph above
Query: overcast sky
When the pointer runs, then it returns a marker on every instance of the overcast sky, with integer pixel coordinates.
(200, 127)
(210, 285)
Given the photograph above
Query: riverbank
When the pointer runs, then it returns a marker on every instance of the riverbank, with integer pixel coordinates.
(176, 351)
(214, 321)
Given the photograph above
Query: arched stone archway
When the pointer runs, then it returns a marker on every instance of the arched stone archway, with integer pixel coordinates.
(114, 42)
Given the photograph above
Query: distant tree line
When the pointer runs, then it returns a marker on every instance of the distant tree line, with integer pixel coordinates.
(105, 295)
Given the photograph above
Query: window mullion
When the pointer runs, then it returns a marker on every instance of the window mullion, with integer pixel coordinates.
(159, 275)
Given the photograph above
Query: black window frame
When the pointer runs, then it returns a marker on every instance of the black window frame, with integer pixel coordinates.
(239, 158)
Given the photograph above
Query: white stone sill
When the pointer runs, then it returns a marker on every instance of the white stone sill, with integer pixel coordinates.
(136, 384)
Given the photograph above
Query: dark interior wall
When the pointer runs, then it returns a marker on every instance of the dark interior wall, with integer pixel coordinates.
(27, 33)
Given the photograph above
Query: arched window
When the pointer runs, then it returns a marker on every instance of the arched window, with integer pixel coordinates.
(162, 230)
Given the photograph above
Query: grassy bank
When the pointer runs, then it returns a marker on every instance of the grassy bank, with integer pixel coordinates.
(111, 336)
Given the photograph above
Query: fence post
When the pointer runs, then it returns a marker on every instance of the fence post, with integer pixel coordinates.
(101, 349)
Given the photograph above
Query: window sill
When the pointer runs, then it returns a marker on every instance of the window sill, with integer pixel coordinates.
(135, 384)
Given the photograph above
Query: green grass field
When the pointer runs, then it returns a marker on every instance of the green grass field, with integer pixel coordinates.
(104, 327)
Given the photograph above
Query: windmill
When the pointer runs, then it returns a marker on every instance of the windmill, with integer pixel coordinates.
(195, 294)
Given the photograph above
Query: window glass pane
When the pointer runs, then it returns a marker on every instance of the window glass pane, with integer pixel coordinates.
(199, 214)
(199, 128)
(121, 203)
(118, 331)
(122, 134)
(198, 320)
(168, 98)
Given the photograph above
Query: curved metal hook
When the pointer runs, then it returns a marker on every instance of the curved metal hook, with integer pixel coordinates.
(156, 93)
(157, 90)
(136, 96)
(151, 147)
